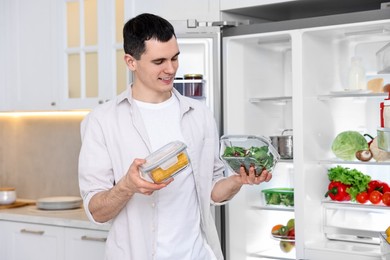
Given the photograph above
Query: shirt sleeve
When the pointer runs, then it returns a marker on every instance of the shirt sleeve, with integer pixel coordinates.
(95, 166)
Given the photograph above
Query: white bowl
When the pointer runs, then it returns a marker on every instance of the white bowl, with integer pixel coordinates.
(7, 195)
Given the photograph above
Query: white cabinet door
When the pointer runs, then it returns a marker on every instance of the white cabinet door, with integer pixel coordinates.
(32, 241)
(202, 10)
(31, 54)
(84, 244)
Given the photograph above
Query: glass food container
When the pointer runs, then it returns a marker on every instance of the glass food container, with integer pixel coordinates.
(166, 162)
(237, 150)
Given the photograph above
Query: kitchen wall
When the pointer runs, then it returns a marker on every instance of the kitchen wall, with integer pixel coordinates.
(39, 154)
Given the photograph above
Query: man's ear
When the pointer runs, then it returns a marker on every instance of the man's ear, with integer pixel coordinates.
(130, 62)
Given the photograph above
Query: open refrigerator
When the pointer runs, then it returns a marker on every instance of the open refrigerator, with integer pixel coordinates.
(261, 79)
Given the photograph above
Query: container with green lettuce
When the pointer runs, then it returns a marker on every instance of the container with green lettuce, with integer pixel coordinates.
(247, 150)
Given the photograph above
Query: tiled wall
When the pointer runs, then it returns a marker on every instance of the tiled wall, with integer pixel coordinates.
(39, 154)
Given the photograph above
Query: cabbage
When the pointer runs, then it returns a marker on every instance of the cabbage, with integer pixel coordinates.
(347, 143)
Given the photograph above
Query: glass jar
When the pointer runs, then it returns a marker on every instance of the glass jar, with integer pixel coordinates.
(194, 86)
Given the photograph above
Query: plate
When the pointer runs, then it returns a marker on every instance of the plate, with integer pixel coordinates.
(59, 203)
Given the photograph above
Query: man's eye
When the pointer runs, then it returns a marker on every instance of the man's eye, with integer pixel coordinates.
(158, 62)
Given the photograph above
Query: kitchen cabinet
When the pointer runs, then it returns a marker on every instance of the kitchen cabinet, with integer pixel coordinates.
(21, 240)
(201, 10)
(31, 53)
(84, 244)
(32, 241)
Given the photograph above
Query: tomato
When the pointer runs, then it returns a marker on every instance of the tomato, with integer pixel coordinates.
(386, 198)
(375, 197)
(362, 197)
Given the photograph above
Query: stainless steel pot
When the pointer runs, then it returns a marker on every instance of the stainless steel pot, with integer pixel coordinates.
(283, 144)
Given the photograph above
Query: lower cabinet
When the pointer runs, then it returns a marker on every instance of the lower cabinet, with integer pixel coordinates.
(84, 244)
(21, 241)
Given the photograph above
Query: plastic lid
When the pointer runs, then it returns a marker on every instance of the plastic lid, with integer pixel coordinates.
(163, 154)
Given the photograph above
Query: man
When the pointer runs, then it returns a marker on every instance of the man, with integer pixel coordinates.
(170, 220)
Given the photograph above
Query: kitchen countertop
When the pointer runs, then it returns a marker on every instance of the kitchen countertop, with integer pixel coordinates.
(73, 218)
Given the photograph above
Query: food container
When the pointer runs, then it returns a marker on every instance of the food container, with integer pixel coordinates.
(237, 150)
(283, 144)
(193, 86)
(166, 162)
(383, 59)
(383, 134)
(278, 196)
(178, 84)
(7, 195)
(385, 246)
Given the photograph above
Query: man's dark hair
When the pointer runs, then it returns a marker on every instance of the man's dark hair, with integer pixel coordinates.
(142, 28)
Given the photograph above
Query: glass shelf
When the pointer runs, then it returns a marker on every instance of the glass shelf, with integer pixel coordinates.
(277, 100)
(275, 208)
(337, 161)
(352, 95)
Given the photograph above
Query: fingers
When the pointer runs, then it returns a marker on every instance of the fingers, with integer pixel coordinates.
(140, 185)
(251, 176)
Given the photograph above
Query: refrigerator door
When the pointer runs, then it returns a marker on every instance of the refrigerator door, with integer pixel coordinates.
(200, 53)
(292, 75)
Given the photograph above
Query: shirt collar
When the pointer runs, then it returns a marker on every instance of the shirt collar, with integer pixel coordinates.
(185, 105)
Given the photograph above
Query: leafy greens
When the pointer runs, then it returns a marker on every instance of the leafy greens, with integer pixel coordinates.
(357, 180)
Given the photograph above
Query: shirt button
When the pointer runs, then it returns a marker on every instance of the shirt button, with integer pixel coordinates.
(153, 205)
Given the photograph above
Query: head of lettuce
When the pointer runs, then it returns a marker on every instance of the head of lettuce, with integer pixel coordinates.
(347, 143)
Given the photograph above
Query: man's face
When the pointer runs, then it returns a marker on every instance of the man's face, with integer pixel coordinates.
(156, 69)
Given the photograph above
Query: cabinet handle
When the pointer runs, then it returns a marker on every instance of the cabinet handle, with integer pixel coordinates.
(35, 232)
(99, 239)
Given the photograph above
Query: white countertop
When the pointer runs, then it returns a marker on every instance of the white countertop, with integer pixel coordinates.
(74, 218)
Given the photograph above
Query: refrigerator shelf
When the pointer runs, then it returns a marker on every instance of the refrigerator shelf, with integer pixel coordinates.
(352, 95)
(276, 207)
(348, 205)
(276, 100)
(338, 161)
(274, 253)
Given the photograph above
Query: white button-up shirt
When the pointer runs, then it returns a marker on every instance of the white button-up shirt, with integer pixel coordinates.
(113, 135)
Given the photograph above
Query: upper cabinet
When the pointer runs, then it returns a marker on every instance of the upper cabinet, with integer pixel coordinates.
(60, 55)
(30, 55)
(92, 66)
(2, 54)
(201, 10)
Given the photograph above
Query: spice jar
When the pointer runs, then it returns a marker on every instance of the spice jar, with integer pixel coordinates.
(194, 86)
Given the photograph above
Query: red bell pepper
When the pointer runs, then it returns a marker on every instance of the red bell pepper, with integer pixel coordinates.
(338, 191)
(377, 185)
